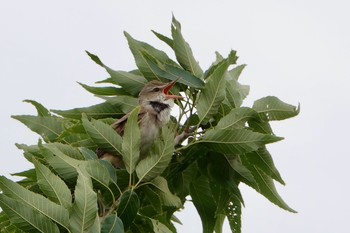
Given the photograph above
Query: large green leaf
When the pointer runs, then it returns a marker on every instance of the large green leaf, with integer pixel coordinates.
(233, 212)
(108, 91)
(160, 186)
(97, 111)
(128, 207)
(112, 224)
(52, 186)
(266, 186)
(49, 128)
(237, 118)
(84, 210)
(165, 39)
(11, 229)
(214, 91)
(204, 202)
(124, 102)
(159, 157)
(130, 82)
(103, 135)
(35, 201)
(272, 108)
(137, 47)
(236, 92)
(131, 141)
(26, 217)
(183, 51)
(236, 141)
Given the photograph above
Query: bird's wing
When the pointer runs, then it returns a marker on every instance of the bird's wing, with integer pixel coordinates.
(119, 125)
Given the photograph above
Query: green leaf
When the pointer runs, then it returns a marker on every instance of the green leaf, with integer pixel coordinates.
(112, 224)
(103, 135)
(128, 207)
(42, 111)
(262, 159)
(234, 212)
(11, 229)
(266, 186)
(272, 108)
(84, 210)
(49, 128)
(214, 92)
(97, 111)
(131, 141)
(159, 227)
(165, 39)
(35, 201)
(108, 91)
(52, 186)
(237, 118)
(236, 93)
(26, 217)
(183, 51)
(159, 157)
(130, 82)
(161, 187)
(236, 72)
(124, 103)
(204, 202)
(172, 73)
(137, 47)
(236, 141)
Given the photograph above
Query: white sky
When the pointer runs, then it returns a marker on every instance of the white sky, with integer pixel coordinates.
(296, 50)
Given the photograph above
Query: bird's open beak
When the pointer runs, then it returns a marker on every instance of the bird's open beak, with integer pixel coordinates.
(167, 88)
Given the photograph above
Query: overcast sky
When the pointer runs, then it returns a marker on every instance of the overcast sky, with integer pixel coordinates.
(297, 50)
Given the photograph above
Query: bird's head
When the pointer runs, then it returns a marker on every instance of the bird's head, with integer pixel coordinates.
(155, 94)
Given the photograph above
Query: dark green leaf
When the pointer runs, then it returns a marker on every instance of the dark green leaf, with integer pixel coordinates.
(124, 102)
(103, 90)
(128, 207)
(233, 212)
(165, 39)
(112, 224)
(42, 111)
(160, 185)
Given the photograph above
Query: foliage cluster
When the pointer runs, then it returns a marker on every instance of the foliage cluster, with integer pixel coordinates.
(70, 190)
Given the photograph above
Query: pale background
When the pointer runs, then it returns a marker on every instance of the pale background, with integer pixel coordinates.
(296, 50)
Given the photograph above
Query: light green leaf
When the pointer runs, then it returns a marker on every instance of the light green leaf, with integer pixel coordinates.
(130, 82)
(165, 39)
(161, 187)
(183, 51)
(128, 207)
(42, 111)
(159, 227)
(26, 217)
(52, 186)
(88, 154)
(49, 128)
(131, 141)
(170, 72)
(97, 111)
(236, 72)
(112, 224)
(236, 141)
(35, 201)
(124, 102)
(103, 135)
(272, 108)
(236, 92)
(108, 91)
(204, 202)
(214, 92)
(237, 118)
(84, 210)
(159, 157)
(11, 229)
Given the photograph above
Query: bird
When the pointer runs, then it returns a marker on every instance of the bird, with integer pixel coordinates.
(155, 106)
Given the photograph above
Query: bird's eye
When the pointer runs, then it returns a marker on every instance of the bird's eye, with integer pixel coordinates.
(156, 89)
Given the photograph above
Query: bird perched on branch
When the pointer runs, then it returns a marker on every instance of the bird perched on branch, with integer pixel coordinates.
(155, 107)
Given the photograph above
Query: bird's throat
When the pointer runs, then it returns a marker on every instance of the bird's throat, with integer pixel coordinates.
(158, 106)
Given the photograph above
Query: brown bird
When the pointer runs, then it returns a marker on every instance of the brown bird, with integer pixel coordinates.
(155, 107)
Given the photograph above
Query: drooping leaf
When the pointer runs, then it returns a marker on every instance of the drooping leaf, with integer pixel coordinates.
(233, 212)
(97, 111)
(103, 135)
(237, 118)
(170, 72)
(26, 217)
(128, 207)
(272, 108)
(42, 111)
(131, 141)
(52, 186)
(236, 141)
(104, 91)
(183, 51)
(84, 210)
(266, 186)
(49, 128)
(35, 201)
(204, 202)
(112, 224)
(214, 90)
(159, 157)
(160, 185)
(130, 82)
